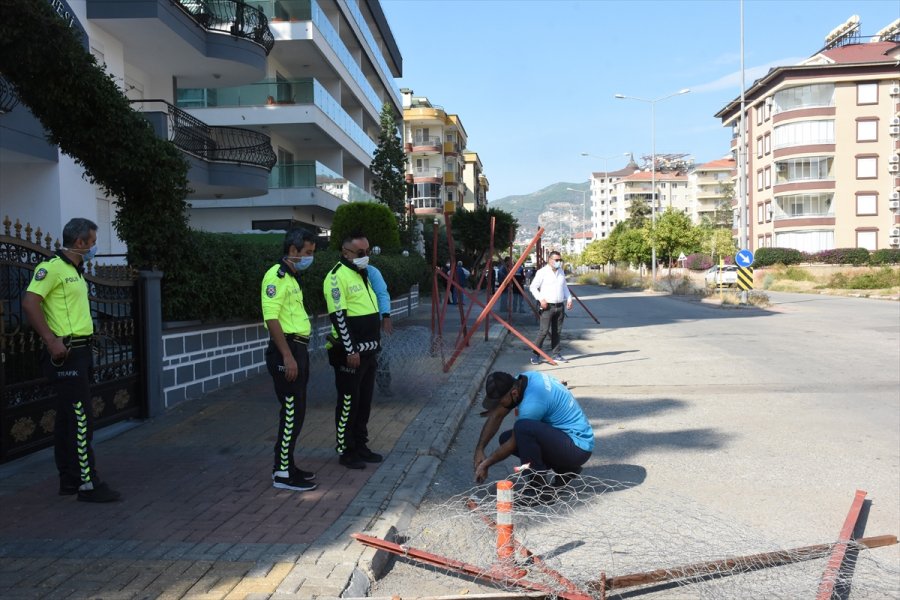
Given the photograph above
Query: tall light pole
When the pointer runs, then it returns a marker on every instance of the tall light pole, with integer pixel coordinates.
(652, 104)
(583, 206)
(608, 184)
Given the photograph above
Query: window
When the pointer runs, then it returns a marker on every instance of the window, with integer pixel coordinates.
(768, 212)
(867, 204)
(768, 177)
(759, 213)
(802, 205)
(867, 93)
(450, 195)
(867, 239)
(804, 133)
(759, 115)
(804, 96)
(867, 131)
(759, 241)
(759, 181)
(806, 241)
(804, 169)
(768, 240)
(759, 147)
(866, 167)
(768, 108)
(767, 143)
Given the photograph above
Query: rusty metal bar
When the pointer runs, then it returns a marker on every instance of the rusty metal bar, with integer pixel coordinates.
(826, 583)
(574, 295)
(490, 274)
(490, 305)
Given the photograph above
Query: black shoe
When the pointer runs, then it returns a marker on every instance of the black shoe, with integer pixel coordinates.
(292, 483)
(369, 456)
(536, 492)
(99, 493)
(561, 480)
(68, 489)
(301, 474)
(352, 461)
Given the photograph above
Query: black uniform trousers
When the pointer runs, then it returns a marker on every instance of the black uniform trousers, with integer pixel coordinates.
(292, 396)
(355, 388)
(552, 319)
(74, 428)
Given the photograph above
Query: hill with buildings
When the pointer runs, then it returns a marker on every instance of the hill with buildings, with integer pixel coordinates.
(559, 210)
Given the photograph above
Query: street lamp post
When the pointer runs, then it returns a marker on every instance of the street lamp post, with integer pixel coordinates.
(652, 104)
(608, 183)
(583, 206)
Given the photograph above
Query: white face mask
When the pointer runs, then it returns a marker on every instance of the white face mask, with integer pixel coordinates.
(554, 264)
(361, 263)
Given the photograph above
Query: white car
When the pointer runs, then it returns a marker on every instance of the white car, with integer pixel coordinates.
(717, 275)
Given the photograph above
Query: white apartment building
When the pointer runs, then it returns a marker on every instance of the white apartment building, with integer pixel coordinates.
(823, 146)
(319, 99)
(603, 204)
(709, 184)
(148, 48)
(475, 182)
(672, 191)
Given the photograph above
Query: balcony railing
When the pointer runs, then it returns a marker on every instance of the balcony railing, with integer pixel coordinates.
(307, 174)
(273, 93)
(426, 140)
(427, 172)
(232, 17)
(212, 144)
(8, 98)
(427, 202)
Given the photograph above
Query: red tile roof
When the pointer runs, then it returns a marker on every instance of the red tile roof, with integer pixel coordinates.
(862, 53)
(660, 176)
(722, 163)
(583, 235)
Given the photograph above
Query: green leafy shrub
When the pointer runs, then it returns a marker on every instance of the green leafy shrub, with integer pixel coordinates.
(883, 278)
(620, 279)
(765, 257)
(794, 274)
(588, 279)
(374, 220)
(841, 256)
(885, 256)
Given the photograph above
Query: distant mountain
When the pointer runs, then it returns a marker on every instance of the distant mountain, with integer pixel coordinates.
(556, 208)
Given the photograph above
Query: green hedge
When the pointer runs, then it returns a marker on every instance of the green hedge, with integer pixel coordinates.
(765, 257)
(219, 277)
(885, 256)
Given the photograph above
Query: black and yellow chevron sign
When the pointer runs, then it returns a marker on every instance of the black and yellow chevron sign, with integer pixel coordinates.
(745, 278)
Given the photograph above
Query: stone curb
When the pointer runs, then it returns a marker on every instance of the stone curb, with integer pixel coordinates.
(403, 503)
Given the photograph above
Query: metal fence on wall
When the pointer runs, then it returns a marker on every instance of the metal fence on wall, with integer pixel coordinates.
(27, 403)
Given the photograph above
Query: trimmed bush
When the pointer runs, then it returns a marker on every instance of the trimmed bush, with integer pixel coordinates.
(766, 257)
(881, 279)
(885, 256)
(374, 220)
(841, 256)
(698, 262)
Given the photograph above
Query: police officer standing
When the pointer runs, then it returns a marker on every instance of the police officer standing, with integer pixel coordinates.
(287, 358)
(353, 348)
(57, 306)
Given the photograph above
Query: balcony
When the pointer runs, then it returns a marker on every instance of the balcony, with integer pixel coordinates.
(312, 174)
(188, 36)
(449, 177)
(427, 174)
(430, 144)
(224, 161)
(427, 205)
(284, 104)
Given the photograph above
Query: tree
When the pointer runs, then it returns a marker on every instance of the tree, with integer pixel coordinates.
(472, 231)
(718, 242)
(724, 215)
(389, 164)
(376, 221)
(674, 233)
(638, 213)
(633, 247)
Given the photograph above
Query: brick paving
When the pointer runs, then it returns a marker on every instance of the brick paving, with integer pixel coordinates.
(201, 519)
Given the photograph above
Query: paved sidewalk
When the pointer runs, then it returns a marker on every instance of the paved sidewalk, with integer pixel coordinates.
(200, 517)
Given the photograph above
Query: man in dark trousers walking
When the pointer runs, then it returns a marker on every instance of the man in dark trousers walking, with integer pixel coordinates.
(550, 289)
(57, 306)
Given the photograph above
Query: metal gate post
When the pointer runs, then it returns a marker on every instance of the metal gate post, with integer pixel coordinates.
(151, 350)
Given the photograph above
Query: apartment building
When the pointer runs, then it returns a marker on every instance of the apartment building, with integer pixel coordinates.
(439, 168)
(148, 48)
(711, 189)
(603, 200)
(475, 182)
(672, 191)
(823, 146)
(319, 99)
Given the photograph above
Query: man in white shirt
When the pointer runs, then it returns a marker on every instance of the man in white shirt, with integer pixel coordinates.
(549, 288)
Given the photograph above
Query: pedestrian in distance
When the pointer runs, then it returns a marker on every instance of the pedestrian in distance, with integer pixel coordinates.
(518, 298)
(383, 371)
(353, 347)
(551, 430)
(57, 306)
(287, 355)
(462, 278)
(550, 289)
(505, 266)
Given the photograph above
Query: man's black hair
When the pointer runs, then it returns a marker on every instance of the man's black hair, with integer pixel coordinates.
(77, 229)
(356, 234)
(297, 238)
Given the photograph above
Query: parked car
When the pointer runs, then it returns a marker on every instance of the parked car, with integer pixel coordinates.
(717, 275)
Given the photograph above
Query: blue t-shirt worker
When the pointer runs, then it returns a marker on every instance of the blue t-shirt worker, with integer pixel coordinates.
(551, 431)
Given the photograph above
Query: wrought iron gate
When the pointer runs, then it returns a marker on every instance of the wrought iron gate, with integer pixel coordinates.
(27, 403)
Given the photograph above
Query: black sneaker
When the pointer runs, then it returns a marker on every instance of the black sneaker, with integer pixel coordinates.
(369, 456)
(68, 489)
(352, 461)
(301, 474)
(99, 493)
(292, 483)
(561, 480)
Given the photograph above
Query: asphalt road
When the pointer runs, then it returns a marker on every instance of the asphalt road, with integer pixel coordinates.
(762, 421)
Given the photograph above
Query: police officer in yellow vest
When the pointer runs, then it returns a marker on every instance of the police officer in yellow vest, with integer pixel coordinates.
(287, 358)
(353, 348)
(57, 307)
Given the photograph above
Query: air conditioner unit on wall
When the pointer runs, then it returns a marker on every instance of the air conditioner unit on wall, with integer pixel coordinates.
(894, 168)
(895, 231)
(894, 130)
(895, 195)
(894, 204)
(895, 121)
(895, 90)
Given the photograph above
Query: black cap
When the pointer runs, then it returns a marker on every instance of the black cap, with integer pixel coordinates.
(496, 386)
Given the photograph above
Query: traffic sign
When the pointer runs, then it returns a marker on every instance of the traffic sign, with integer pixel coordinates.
(745, 278)
(682, 256)
(743, 258)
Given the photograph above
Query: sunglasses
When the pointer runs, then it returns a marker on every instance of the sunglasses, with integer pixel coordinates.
(359, 253)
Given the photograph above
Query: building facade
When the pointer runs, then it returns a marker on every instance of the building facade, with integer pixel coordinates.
(604, 203)
(475, 182)
(712, 190)
(823, 148)
(672, 191)
(147, 48)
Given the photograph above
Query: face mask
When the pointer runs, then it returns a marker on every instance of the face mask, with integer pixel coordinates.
(361, 263)
(85, 256)
(302, 264)
(554, 264)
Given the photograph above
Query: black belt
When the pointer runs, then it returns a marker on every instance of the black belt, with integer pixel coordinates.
(555, 303)
(296, 337)
(77, 341)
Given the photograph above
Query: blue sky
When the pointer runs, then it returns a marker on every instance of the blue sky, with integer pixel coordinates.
(533, 81)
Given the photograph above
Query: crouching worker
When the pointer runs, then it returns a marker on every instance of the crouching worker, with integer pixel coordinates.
(550, 432)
